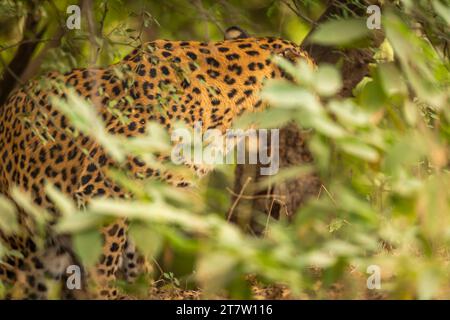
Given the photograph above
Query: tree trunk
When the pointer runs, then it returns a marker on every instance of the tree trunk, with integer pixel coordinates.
(283, 199)
(31, 35)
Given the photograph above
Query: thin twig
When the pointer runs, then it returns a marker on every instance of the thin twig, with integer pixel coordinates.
(269, 215)
(328, 193)
(297, 11)
(238, 198)
(206, 15)
(102, 20)
(247, 197)
(13, 74)
(158, 266)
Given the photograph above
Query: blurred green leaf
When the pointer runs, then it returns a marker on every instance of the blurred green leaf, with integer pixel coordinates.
(88, 246)
(84, 118)
(214, 270)
(286, 95)
(327, 80)
(62, 202)
(391, 80)
(8, 219)
(340, 32)
(349, 113)
(442, 10)
(359, 149)
(372, 96)
(147, 240)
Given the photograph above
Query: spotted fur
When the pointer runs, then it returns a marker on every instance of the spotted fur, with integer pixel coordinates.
(167, 81)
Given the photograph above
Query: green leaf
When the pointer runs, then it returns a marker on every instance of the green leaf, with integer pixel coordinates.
(327, 127)
(327, 80)
(391, 80)
(215, 269)
(341, 248)
(62, 202)
(442, 10)
(25, 201)
(303, 72)
(428, 283)
(146, 239)
(79, 222)
(336, 224)
(359, 149)
(287, 95)
(340, 32)
(271, 118)
(349, 113)
(88, 246)
(319, 259)
(353, 203)
(372, 96)
(84, 117)
(411, 112)
(8, 218)
(321, 150)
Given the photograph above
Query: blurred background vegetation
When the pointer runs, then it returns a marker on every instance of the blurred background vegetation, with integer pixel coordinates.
(118, 23)
(381, 152)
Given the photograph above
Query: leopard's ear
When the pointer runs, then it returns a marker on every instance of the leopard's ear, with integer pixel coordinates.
(235, 33)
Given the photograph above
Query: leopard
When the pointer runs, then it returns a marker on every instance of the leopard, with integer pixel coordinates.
(212, 82)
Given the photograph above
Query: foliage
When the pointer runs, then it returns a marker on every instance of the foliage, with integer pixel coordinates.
(382, 156)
